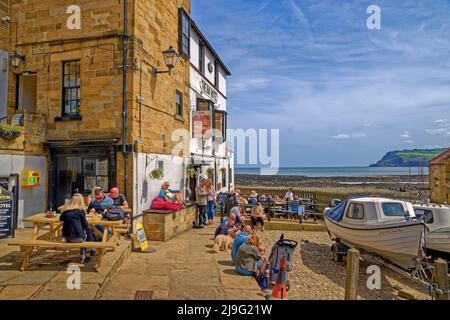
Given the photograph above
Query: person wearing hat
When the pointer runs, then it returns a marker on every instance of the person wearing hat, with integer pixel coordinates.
(253, 199)
(101, 202)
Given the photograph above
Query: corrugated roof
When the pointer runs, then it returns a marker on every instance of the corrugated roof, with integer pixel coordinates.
(440, 158)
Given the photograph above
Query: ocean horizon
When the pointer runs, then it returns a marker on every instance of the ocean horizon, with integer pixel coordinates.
(338, 171)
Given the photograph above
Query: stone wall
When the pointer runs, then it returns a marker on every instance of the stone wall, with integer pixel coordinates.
(4, 28)
(440, 182)
(164, 226)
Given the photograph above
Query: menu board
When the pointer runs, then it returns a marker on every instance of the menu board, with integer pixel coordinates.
(6, 213)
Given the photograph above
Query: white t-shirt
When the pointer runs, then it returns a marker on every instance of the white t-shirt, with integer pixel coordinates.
(289, 195)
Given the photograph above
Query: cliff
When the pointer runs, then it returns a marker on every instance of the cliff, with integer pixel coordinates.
(408, 158)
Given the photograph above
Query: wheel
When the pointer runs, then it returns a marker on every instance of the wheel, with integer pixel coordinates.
(335, 255)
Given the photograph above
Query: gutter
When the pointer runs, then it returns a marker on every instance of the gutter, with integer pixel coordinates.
(124, 98)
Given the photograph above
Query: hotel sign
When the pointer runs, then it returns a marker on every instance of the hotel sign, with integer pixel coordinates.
(209, 91)
(6, 213)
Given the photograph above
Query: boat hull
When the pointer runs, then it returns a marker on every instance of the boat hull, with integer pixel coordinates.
(439, 240)
(400, 243)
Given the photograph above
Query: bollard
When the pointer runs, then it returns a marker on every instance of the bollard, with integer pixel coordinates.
(352, 275)
(441, 278)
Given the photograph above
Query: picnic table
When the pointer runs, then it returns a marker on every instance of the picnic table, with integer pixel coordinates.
(51, 238)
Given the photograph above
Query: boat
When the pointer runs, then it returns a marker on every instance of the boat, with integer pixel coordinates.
(437, 221)
(385, 227)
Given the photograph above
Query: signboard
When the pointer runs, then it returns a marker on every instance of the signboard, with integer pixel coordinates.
(201, 123)
(140, 235)
(6, 213)
(209, 91)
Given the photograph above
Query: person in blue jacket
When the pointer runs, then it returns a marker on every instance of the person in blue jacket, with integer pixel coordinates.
(241, 238)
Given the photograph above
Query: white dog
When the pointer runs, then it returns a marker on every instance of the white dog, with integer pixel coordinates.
(222, 243)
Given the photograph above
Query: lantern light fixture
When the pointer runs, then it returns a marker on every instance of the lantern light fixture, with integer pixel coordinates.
(170, 59)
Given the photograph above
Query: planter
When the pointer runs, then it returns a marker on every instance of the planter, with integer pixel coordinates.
(9, 134)
(157, 174)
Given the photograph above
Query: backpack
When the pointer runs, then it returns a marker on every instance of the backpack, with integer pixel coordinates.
(114, 214)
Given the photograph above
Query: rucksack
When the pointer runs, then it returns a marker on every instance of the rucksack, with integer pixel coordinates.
(114, 214)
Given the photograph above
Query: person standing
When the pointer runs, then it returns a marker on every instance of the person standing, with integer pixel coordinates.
(212, 200)
(202, 201)
(289, 195)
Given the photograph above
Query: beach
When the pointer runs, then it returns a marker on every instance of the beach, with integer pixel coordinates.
(406, 187)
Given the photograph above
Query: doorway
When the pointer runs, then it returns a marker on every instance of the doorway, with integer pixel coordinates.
(26, 94)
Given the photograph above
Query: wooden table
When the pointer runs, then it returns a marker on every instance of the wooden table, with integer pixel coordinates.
(55, 226)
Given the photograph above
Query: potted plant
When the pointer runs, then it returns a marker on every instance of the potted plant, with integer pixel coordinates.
(223, 171)
(157, 174)
(191, 172)
(9, 132)
(210, 172)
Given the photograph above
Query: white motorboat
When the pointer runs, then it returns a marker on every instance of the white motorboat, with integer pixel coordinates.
(437, 221)
(380, 226)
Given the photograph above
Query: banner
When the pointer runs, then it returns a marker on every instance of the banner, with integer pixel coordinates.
(201, 123)
(6, 213)
(140, 234)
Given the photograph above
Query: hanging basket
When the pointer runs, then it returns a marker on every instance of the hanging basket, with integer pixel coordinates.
(157, 174)
(210, 172)
(9, 133)
(191, 172)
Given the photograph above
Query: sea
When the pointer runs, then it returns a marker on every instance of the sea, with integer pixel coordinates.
(339, 171)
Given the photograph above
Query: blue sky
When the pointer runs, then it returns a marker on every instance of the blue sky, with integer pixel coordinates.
(341, 95)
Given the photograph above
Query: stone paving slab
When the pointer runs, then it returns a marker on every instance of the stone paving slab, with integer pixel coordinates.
(46, 277)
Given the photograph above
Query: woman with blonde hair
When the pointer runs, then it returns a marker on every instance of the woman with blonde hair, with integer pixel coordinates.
(212, 200)
(75, 227)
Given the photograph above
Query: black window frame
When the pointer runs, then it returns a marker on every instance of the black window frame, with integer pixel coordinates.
(179, 107)
(216, 74)
(208, 102)
(201, 57)
(224, 122)
(184, 18)
(65, 114)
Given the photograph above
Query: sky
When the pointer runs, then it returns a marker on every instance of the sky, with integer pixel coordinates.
(340, 94)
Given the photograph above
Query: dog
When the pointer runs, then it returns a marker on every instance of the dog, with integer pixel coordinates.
(222, 243)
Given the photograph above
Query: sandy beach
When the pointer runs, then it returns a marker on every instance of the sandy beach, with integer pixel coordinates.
(410, 187)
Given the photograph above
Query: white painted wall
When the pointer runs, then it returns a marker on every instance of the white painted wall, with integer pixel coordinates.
(146, 188)
(195, 49)
(32, 200)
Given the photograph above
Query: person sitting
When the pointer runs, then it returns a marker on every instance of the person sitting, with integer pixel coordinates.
(239, 199)
(224, 227)
(248, 258)
(257, 216)
(253, 198)
(237, 211)
(241, 238)
(118, 198)
(75, 225)
(170, 195)
(101, 202)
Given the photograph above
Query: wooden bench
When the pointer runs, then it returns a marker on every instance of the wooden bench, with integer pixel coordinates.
(28, 246)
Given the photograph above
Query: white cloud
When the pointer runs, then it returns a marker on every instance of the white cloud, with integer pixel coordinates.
(438, 132)
(441, 121)
(406, 135)
(410, 141)
(343, 136)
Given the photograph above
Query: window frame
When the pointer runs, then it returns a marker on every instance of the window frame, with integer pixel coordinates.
(347, 214)
(179, 107)
(201, 57)
(224, 122)
(393, 203)
(216, 74)
(64, 114)
(182, 36)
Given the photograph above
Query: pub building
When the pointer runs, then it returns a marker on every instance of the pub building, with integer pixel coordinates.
(212, 156)
(97, 105)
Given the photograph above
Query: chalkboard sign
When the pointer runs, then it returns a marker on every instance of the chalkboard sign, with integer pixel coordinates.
(6, 213)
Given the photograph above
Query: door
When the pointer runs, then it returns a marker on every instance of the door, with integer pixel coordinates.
(26, 92)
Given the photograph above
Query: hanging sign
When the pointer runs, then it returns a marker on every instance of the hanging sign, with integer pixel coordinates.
(6, 213)
(201, 123)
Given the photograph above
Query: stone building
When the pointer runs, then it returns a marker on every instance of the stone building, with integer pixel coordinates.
(440, 178)
(65, 96)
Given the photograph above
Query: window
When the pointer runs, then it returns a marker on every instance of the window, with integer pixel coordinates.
(71, 88)
(355, 211)
(220, 123)
(201, 57)
(216, 74)
(203, 105)
(179, 103)
(393, 209)
(427, 215)
(185, 33)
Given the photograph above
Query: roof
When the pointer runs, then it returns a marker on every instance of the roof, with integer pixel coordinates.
(374, 199)
(210, 47)
(440, 158)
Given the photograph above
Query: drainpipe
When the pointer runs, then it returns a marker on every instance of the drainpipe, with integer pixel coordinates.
(124, 98)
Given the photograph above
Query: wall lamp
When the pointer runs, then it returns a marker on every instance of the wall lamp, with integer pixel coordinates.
(16, 59)
(170, 59)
